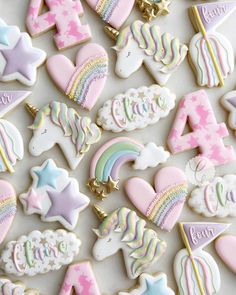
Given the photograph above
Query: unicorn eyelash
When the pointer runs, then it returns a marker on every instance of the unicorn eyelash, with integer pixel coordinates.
(129, 53)
(45, 131)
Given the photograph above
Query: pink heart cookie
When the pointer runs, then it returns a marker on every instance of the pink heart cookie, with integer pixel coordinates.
(114, 12)
(7, 207)
(162, 205)
(225, 248)
(84, 82)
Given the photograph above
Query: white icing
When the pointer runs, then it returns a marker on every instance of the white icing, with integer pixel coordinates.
(232, 110)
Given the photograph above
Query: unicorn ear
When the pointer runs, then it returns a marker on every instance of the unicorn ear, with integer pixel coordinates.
(96, 231)
(140, 193)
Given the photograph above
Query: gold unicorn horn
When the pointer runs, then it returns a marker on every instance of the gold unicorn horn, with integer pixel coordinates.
(31, 109)
(111, 32)
(101, 214)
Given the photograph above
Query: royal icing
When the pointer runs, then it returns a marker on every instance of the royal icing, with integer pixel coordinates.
(136, 108)
(80, 279)
(211, 54)
(7, 287)
(114, 12)
(196, 272)
(84, 82)
(55, 123)
(151, 9)
(124, 230)
(143, 43)
(111, 156)
(54, 195)
(217, 198)
(39, 252)
(11, 146)
(225, 248)
(19, 60)
(206, 134)
(149, 285)
(8, 206)
(62, 14)
(229, 103)
(162, 205)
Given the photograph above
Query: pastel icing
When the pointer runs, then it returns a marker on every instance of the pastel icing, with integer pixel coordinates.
(150, 285)
(164, 203)
(62, 15)
(80, 278)
(142, 43)
(10, 99)
(7, 287)
(55, 123)
(136, 108)
(11, 146)
(54, 195)
(110, 157)
(8, 207)
(225, 248)
(217, 198)
(229, 103)
(39, 252)
(19, 60)
(206, 135)
(84, 82)
(114, 12)
(127, 232)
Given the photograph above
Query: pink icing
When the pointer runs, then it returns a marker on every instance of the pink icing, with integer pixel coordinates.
(62, 14)
(206, 133)
(80, 278)
(225, 247)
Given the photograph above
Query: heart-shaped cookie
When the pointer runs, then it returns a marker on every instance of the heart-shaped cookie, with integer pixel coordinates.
(225, 248)
(7, 207)
(84, 82)
(163, 204)
(114, 12)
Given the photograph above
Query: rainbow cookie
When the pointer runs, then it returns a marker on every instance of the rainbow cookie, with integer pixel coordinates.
(162, 205)
(110, 157)
(84, 82)
(123, 230)
(210, 53)
(195, 270)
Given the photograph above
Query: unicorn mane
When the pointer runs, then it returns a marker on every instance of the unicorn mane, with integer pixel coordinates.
(145, 245)
(163, 47)
(83, 133)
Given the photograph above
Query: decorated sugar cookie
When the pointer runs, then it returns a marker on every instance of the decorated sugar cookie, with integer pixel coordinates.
(55, 123)
(112, 12)
(62, 15)
(124, 230)
(151, 9)
(8, 206)
(10, 99)
(19, 60)
(39, 252)
(162, 205)
(211, 54)
(80, 280)
(206, 134)
(217, 198)
(111, 156)
(229, 103)
(195, 270)
(141, 43)
(54, 195)
(84, 82)
(225, 248)
(7, 287)
(149, 284)
(136, 108)
(11, 146)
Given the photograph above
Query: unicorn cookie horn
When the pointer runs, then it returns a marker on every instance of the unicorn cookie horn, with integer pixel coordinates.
(31, 109)
(111, 32)
(100, 213)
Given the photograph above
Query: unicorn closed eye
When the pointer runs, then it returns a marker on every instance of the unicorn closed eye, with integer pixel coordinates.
(143, 43)
(124, 230)
(54, 124)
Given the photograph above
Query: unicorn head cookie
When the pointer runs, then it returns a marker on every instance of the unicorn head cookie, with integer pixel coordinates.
(55, 123)
(123, 230)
